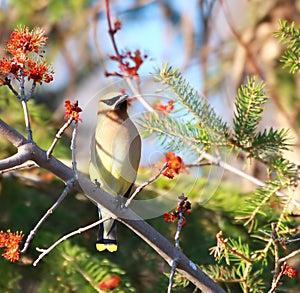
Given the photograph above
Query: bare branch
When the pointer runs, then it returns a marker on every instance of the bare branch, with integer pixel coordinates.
(73, 149)
(172, 275)
(292, 254)
(26, 165)
(126, 216)
(14, 160)
(78, 231)
(276, 281)
(11, 134)
(136, 91)
(66, 191)
(58, 136)
(142, 186)
(175, 261)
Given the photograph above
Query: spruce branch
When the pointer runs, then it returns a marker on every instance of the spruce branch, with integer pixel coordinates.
(194, 103)
(173, 133)
(270, 143)
(248, 111)
(290, 36)
(73, 262)
(256, 204)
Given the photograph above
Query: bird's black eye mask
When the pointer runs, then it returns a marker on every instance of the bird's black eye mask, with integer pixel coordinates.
(112, 101)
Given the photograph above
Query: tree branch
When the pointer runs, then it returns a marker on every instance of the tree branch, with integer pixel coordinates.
(125, 215)
(11, 134)
(15, 160)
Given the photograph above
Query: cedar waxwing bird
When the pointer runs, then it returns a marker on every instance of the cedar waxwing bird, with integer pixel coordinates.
(115, 158)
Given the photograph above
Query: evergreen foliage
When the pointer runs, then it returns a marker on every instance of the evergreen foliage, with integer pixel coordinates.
(72, 268)
(249, 108)
(195, 104)
(258, 226)
(290, 36)
(197, 127)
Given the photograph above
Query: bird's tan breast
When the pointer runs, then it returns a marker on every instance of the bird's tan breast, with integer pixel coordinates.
(118, 147)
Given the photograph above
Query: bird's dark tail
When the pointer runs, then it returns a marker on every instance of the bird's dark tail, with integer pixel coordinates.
(107, 235)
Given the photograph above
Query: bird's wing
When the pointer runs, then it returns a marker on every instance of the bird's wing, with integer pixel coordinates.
(114, 163)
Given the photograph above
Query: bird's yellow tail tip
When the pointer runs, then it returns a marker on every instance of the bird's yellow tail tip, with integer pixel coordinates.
(110, 247)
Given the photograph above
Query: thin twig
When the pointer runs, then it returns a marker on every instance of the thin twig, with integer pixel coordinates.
(292, 254)
(178, 231)
(175, 261)
(276, 254)
(137, 93)
(196, 165)
(65, 237)
(276, 227)
(8, 83)
(67, 189)
(26, 165)
(172, 274)
(30, 93)
(222, 244)
(58, 136)
(276, 282)
(292, 240)
(111, 32)
(73, 149)
(142, 186)
(23, 100)
(22, 86)
(27, 120)
(217, 162)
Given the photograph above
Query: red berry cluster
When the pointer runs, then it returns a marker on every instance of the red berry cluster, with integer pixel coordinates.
(183, 208)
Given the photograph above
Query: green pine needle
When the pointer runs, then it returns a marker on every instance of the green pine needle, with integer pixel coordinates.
(248, 111)
(194, 103)
(290, 36)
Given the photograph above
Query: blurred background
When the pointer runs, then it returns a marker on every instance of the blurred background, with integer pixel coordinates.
(216, 44)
